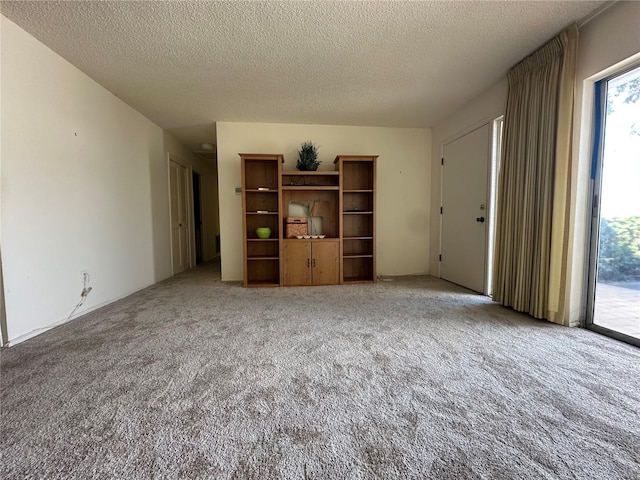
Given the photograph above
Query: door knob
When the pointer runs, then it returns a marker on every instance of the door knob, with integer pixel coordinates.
(480, 219)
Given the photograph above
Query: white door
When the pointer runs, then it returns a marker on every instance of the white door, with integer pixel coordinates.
(179, 230)
(464, 209)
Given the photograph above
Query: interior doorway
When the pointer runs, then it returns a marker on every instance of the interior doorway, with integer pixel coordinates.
(178, 191)
(614, 269)
(198, 215)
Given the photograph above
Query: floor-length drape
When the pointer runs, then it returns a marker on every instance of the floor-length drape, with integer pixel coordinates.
(532, 163)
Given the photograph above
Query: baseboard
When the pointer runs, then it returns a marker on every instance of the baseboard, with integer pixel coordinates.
(38, 331)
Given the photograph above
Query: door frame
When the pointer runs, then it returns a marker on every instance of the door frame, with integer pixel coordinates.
(599, 95)
(492, 175)
(4, 334)
(189, 205)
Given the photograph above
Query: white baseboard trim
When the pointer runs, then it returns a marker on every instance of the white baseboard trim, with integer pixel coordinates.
(38, 331)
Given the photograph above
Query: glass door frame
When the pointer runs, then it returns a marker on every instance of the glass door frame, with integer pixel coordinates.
(597, 161)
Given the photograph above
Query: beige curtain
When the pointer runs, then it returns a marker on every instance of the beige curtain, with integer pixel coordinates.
(533, 187)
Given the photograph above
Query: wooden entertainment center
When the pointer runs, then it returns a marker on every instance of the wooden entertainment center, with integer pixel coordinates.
(341, 205)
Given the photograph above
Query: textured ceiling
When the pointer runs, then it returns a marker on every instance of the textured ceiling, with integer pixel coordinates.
(186, 65)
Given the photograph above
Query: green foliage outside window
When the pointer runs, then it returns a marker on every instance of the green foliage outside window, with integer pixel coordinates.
(619, 254)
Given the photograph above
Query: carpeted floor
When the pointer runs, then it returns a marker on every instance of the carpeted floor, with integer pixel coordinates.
(411, 378)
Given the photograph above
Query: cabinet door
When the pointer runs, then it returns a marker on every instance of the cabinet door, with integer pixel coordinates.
(326, 263)
(297, 263)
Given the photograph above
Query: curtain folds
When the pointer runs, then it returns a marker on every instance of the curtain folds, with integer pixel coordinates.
(533, 187)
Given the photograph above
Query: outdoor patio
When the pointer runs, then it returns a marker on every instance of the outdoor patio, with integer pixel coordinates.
(617, 307)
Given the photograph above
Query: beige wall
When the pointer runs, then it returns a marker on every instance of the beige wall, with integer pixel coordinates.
(481, 110)
(81, 185)
(608, 42)
(84, 182)
(403, 184)
(84, 188)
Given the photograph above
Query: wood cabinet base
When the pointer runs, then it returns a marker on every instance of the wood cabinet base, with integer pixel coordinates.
(311, 262)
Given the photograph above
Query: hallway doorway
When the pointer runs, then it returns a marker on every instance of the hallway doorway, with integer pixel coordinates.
(198, 215)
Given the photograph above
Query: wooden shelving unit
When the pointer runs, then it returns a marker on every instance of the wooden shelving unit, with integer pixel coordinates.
(344, 199)
(357, 218)
(261, 207)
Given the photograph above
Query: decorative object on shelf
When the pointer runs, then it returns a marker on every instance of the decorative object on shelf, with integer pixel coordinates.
(315, 221)
(308, 157)
(263, 232)
(296, 226)
(298, 209)
(315, 225)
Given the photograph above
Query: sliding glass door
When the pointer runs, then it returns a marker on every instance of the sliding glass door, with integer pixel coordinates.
(614, 277)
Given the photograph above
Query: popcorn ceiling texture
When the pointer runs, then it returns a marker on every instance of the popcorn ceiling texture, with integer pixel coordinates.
(413, 378)
(376, 63)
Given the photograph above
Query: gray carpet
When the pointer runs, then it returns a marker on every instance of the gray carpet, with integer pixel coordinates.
(411, 378)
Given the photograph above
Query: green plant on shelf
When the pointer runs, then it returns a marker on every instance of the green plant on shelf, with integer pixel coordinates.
(308, 157)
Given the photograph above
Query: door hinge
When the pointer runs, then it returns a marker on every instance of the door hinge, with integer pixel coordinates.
(440, 258)
(442, 161)
(440, 210)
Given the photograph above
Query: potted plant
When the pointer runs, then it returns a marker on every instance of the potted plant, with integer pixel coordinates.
(308, 157)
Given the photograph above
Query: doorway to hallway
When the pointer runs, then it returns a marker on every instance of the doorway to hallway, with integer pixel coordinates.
(198, 217)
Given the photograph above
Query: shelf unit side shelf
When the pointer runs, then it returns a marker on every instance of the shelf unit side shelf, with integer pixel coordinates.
(261, 206)
(357, 219)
